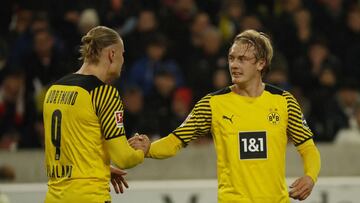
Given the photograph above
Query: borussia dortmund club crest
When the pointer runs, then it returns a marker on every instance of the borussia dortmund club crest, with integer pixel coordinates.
(274, 117)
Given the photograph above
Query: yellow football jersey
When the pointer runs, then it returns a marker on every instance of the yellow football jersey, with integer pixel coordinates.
(80, 114)
(250, 136)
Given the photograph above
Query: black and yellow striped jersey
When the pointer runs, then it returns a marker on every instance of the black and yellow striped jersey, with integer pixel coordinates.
(250, 136)
(81, 113)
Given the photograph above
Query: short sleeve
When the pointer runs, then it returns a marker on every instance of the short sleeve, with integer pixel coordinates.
(110, 111)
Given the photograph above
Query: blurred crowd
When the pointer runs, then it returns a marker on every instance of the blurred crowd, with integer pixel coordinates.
(176, 53)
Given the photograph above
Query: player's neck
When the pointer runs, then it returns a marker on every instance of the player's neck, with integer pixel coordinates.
(93, 69)
(254, 89)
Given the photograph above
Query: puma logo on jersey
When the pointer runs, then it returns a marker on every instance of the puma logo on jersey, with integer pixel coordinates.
(227, 118)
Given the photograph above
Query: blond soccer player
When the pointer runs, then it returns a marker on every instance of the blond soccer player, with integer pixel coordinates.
(84, 127)
(250, 122)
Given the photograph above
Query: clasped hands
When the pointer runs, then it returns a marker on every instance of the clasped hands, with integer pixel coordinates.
(140, 141)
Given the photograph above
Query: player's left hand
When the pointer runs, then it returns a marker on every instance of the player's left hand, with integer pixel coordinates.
(118, 180)
(301, 188)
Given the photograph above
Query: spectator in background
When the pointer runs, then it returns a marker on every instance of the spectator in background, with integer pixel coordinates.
(12, 111)
(6, 10)
(136, 41)
(294, 25)
(40, 22)
(119, 15)
(230, 18)
(44, 64)
(221, 79)
(279, 77)
(181, 106)
(88, 19)
(67, 28)
(16, 115)
(199, 24)
(74, 25)
(18, 39)
(142, 72)
(251, 22)
(329, 18)
(279, 74)
(135, 120)
(3, 56)
(65, 18)
(306, 70)
(20, 23)
(285, 28)
(23, 43)
(338, 111)
(158, 103)
(325, 92)
(304, 31)
(351, 134)
(350, 50)
(212, 56)
(176, 24)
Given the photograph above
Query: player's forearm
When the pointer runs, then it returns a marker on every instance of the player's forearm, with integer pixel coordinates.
(165, 147)
(311, 159)
(122, 155)
(130, 160)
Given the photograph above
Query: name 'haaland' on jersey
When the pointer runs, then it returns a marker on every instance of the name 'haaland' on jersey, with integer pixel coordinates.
(62, 97)
(59, 171)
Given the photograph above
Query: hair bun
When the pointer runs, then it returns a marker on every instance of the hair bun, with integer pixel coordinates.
(95, 41)
(87, 39)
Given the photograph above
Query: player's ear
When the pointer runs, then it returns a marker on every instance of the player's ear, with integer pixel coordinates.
(111, 55)
(260, 65)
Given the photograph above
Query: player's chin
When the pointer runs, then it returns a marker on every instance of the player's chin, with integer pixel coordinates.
(236, 80)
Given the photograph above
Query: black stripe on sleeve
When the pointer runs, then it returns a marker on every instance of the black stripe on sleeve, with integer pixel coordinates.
(108, 104)
(198, 122)
(297, 130)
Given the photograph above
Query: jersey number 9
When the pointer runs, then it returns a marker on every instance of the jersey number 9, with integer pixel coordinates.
(56, 132)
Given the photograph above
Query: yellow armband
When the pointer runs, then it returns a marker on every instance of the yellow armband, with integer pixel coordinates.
(165, 147)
